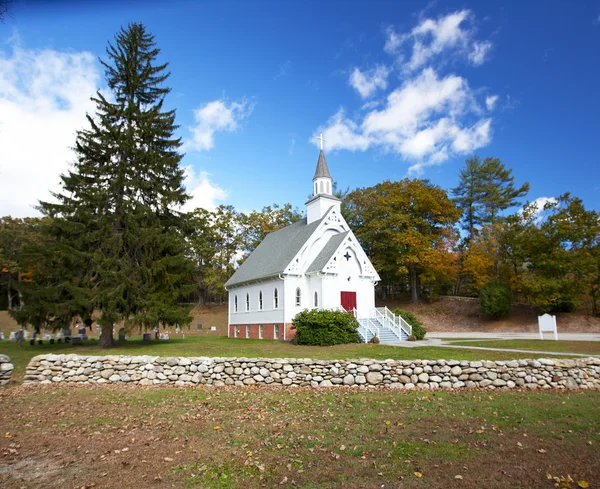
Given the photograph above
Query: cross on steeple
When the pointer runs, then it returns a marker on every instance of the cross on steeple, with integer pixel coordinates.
(321, 138)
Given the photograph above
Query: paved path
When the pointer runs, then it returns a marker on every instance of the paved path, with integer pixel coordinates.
(507, 335)
(513, 350)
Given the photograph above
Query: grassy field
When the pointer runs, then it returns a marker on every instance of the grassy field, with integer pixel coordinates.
(60, 437)
(591, 347)
(216, 346)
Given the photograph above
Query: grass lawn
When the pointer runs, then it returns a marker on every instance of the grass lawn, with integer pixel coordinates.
(229, 347)
(58, 436)
(591, 347)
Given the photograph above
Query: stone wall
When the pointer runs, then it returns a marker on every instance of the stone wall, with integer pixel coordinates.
(6, 369)
(406, 374)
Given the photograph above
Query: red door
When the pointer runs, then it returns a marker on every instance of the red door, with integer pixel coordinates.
(349, 300)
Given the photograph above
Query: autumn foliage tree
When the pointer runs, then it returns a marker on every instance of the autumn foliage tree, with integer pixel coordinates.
(404, 226)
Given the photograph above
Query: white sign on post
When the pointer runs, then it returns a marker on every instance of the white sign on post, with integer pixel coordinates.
(547, 323)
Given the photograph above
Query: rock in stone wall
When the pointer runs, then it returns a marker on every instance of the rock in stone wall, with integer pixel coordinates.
(398, 374)
(6, 369)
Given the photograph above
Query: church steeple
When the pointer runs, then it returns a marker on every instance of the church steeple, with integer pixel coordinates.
(322, 181)
(323, 198)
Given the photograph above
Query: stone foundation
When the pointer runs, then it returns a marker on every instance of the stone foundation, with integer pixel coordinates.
(398, 374)
(6, 369)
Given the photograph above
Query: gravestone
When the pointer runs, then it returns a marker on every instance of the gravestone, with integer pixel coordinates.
(547, 323)
(122, 334)
(213, 328)
(147, 337)
(1, 336)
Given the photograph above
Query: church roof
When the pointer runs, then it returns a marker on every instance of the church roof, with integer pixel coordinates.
(274, 253)
(322, 169)
(327, 252)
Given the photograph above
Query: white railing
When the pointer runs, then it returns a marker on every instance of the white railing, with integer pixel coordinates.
(366, 326)
(393, 322)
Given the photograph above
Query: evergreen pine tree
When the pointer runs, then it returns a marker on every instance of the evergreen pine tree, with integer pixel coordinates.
(468, 194)
(115, 218)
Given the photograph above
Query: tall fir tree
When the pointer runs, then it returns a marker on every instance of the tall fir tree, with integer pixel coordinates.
(116, 216)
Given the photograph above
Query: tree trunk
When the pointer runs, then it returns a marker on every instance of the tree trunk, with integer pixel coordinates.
(413, 284)
(106, 336)
(21, 301)
(8, 288)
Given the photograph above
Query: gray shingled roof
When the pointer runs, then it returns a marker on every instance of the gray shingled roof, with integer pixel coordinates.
(275, 253)
(322, 169)
(327, 252)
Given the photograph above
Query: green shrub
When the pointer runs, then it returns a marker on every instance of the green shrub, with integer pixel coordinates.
(495, 300)
(418, 331)
(325, 328)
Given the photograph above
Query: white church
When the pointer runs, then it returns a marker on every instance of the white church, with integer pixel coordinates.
(315, 263)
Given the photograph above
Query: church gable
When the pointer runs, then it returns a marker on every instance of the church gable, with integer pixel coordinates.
(324, 249)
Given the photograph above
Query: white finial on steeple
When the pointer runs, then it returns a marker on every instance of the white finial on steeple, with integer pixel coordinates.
(321, 138)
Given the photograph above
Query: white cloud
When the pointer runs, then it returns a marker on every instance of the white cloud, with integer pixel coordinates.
(451, 34)
(367, 83)
(284, 69)
(426, 120)
(479, 52)
(203, 191)
(44, 97)
(430, 117)
(490, 102)
(216, 116)
(538, 208)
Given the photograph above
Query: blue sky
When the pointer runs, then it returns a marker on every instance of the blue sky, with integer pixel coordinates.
(398, 89)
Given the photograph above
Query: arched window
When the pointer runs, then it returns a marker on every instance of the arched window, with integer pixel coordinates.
(316, 299)
(328, 190)
(321, 187)
(260, 301)
(316, 191)
(247, 302)
(275, 299)
(298, 297)
(235, 304)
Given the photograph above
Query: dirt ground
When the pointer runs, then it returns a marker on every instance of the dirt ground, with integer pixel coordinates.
(462, 314)
(120, 437)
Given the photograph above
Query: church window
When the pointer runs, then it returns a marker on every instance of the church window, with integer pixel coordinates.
(235, 304)
(320, 187)
(247, 331)
(260, 301)
(316, 191)
(275, 299)
(328, 190)
(260, 331)
(247, 302)
(298, 297)
(276, 332)
(236, 331)
(316, 299)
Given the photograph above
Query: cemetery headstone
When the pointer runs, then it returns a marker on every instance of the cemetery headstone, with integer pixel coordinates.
(147, 337)
(213, 328)
(122, 334)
